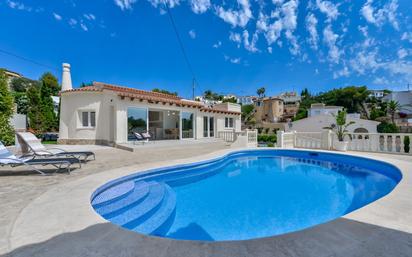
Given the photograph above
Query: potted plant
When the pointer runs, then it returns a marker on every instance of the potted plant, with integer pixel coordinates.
(340, 129)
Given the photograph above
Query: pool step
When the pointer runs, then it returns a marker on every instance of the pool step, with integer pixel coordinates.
(190, 176)
(139, 193)
(131, 217)
(113, 194)
(159, 223)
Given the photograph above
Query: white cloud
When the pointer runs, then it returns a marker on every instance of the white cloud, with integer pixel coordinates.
(330, 39)
(380, 16)
(57, 16)
(18, 6)
(367, 12)
(192, 34)
(72, 22)
(381, 81)
(341, 73)
(311, 23)
(407, 36)
(270, 50)
(83, 27)
(90, 16)
(402, 53)
(125, 4)
(250, 45)
(284, 19)
(233, 60)
(170, 3)
(236, 18)
(217, 44)
(200, 6)
(235, 37)
(329, 9)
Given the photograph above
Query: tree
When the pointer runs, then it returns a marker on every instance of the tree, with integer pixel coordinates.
(21, 84)
(210, 95)
(6, 112)
(50, 81)
(34, 113)
(261, 92)
(86, 84)
(49, 119)
(230, 100)
(305, 94)
(351, 98)
(247, 114)
(163, 91)
(21, 101)
(393, 108)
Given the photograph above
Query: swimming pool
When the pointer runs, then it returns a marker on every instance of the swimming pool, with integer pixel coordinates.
(244, 195)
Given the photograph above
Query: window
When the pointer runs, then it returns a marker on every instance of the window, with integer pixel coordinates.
(228, 122)
(88, 119)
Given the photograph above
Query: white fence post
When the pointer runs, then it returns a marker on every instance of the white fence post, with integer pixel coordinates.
(326, 139)
(279, 135)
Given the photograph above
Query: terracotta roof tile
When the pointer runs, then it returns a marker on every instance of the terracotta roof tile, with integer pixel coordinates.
(149, 96)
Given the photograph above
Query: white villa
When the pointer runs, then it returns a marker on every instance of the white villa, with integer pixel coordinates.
(322, 109)
(109, 114)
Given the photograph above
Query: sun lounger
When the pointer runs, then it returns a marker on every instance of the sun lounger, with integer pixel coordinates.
(139, 138)
(38, 149)
(9, 159)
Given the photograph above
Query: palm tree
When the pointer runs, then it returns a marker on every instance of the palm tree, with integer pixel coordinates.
(340, 128)
(261, 92)
(393, 108)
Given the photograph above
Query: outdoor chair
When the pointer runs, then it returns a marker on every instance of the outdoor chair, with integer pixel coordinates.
(9, 159)
(36, 148)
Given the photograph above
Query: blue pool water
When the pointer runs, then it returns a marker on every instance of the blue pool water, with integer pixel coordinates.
(244, 195)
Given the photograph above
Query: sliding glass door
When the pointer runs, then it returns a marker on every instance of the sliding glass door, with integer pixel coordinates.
(211, 126)
(205, 126)
(187, 124)
(136, 121)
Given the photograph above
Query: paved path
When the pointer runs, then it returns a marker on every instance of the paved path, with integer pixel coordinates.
(19, 188)
(42, 219)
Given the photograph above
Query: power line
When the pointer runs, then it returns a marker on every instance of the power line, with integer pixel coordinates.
(28, 60)
(182, 48)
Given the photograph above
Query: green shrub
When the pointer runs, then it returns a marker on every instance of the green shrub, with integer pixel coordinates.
(6, 131)
(386, 127)
(270, 145)
(262, 138)
(267, 138)
(6, 112)
(406, 143)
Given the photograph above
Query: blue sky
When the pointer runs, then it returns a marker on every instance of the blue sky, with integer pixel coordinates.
(234, 46)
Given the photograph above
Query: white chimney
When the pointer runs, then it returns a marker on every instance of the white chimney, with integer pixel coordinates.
(66, 78)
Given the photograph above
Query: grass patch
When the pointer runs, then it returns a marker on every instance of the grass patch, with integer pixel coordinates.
(49, 142)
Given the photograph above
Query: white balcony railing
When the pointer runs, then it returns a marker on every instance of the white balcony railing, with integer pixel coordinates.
(366, 142)
(380, 142)
(248, 137)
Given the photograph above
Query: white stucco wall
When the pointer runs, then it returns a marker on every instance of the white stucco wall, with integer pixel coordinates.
(107, 123)
(318, 122)
(314, 111)
(70, 122)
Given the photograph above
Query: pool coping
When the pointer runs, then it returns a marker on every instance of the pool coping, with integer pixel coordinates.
(73, 212)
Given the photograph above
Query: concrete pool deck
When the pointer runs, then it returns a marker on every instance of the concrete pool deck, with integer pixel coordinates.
(59, 220)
